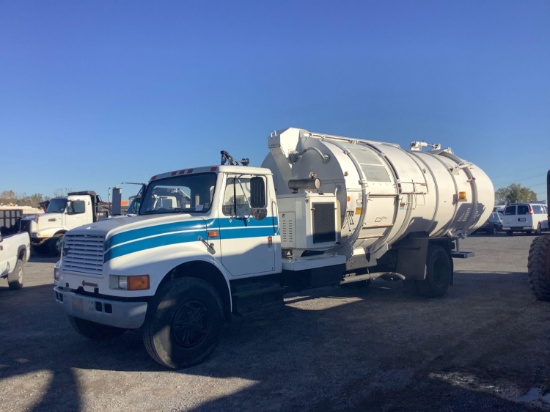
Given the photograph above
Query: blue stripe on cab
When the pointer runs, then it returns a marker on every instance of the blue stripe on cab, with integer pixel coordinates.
(182, 232)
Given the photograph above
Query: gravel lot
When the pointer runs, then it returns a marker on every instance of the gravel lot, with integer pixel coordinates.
(485, 346)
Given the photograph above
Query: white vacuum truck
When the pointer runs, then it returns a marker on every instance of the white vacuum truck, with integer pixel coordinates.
(211, 242)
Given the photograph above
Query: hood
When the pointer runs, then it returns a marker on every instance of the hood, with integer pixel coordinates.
(46, 220)
(115, 225)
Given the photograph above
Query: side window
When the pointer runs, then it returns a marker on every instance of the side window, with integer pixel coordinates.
(523, 209)
(236, 197)
(538, 209)
(76, 207)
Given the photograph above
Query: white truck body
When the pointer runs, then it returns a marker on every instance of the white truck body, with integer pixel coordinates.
(14, 252)
(220, 240)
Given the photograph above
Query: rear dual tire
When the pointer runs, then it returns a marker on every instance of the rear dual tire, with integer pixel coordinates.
(439, 273)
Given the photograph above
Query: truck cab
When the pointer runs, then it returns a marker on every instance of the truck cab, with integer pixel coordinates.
(62, 214)
(204, 229)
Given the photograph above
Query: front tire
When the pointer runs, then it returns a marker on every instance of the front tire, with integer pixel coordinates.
(94, 330)
(439, 272)
(15, 278)
(538, 265)
(54, 245)
(184, 323)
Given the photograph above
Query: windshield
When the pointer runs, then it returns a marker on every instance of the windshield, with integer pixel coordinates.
(57, 206)
(188, 193)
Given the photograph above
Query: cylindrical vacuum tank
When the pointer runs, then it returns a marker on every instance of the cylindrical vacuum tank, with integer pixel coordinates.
(384, 192)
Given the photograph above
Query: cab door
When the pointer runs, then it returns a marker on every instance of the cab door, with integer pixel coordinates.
(246, 226)
(78, 212)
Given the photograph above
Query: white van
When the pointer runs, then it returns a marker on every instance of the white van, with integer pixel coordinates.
(525, 217)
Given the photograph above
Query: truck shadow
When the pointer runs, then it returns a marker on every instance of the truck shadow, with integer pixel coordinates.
(329, 349)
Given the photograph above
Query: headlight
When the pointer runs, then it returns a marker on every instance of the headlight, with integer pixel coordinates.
(56, 271)
(138, 282)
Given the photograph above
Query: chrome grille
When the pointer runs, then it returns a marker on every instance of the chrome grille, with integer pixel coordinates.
(83, 253)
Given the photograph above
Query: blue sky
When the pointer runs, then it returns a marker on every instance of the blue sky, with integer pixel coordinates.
(96, 93)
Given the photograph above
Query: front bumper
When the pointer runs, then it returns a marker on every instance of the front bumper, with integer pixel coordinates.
(127, 315)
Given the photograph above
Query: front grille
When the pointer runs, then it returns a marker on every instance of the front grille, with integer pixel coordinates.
(83, 253)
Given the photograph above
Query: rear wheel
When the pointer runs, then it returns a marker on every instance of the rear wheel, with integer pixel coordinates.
(184, 323)
(439, 272)
(94, 330)
(15, 278)
(538, 266)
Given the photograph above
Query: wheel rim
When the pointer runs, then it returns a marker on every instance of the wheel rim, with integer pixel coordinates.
(190, 324)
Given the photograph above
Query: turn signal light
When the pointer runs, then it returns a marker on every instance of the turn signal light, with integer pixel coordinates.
(462, 196)
(138, 282)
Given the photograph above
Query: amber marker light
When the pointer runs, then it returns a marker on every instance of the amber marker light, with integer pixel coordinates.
(140, 282)
(462, 196)
(213, 234)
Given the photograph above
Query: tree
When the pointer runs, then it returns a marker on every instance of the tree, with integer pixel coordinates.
(514, 193)
(9, 197)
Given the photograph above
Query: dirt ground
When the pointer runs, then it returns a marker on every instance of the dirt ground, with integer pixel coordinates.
(484, 346)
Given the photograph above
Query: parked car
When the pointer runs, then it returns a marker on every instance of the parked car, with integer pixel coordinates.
(492, 225)
(525, 217)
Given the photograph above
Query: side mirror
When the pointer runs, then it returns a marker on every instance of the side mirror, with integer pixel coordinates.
(258, 198)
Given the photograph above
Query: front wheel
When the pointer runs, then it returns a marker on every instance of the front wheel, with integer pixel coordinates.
(184, 323)
(15, 278)
(439, 272)
(94, 330)
(54, 245)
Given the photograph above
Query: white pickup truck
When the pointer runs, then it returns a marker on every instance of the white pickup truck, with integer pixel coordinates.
(14, 252)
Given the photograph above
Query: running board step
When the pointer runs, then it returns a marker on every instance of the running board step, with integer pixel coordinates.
(462, 255)
(263, 298)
